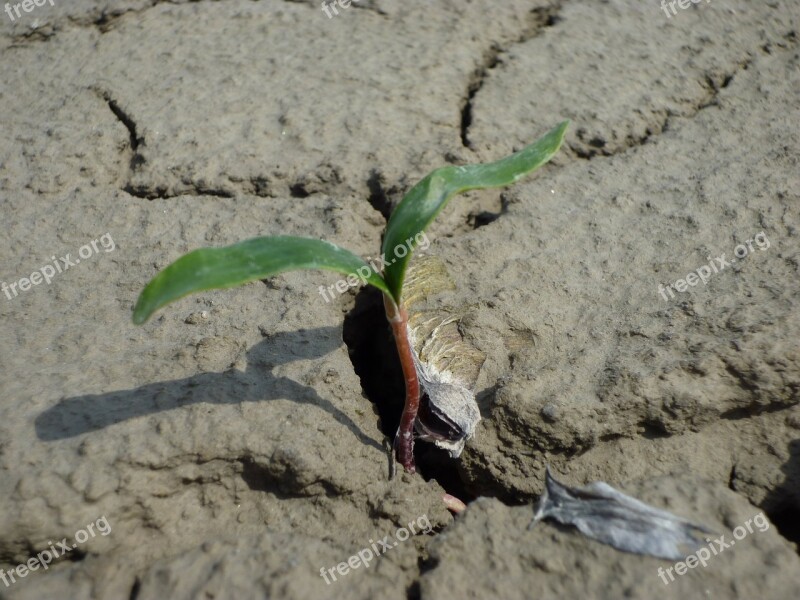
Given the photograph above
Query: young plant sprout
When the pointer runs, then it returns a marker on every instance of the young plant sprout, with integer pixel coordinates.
(258, 258)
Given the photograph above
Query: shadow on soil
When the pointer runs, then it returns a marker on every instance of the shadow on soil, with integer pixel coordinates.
(81, 414)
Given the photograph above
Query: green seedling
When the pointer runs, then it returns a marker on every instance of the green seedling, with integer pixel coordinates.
(258, 258)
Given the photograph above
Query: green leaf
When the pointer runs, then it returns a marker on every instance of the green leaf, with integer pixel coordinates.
(257, 258)
(425, 200)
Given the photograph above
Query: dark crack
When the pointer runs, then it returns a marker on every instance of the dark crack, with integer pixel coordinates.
(134, 139)
(258, 185)
(591, 145)
(161, 193)
(539, 19)
(157, 192)
(125, 119)
(105, 20)
(489, 62)
(732, 479)
(135, 589)
(380, 198)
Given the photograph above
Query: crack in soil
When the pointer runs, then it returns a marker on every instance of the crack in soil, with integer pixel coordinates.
(134, 139)
(714, 85)
(160, 193)
(257, 185)
(597, 144)
(539, 19)
(104, 20)
(136, 588)
(490, 61)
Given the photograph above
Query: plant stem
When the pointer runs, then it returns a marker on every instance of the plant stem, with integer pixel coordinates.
(404, 439)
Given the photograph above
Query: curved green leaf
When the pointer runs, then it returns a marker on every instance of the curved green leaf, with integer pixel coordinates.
(257, 258)
(425, 200)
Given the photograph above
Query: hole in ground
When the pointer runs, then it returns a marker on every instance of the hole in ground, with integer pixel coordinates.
(476, 220)
(298, 190)
(787, 520)
(484, 217)
(782, 505)
(374, 356)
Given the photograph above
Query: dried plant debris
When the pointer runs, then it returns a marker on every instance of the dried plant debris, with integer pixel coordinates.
(447, 365)
(607, 515)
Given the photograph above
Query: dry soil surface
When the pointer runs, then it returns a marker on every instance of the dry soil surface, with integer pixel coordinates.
(235, 445)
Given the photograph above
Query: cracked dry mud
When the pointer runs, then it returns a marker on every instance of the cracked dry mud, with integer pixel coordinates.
(234, 446)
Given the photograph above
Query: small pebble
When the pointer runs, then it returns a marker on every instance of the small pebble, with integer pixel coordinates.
(196, 317)
(550, 412)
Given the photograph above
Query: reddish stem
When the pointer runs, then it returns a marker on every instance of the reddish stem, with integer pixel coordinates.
(404, 440)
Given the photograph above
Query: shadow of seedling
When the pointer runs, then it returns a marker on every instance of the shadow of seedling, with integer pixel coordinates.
(81, 414)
